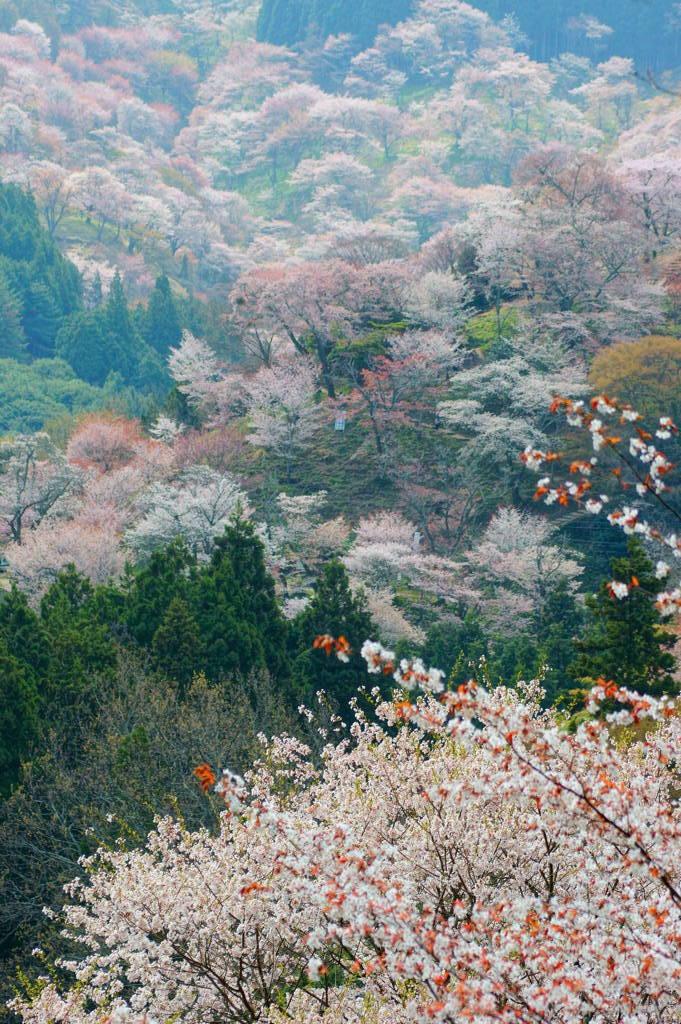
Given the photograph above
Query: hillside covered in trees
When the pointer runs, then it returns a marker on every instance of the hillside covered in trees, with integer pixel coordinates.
(340, 394)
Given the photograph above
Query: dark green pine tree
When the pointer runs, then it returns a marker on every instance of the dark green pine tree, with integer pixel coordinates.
(624, 639)
(19, 716)
(176, 645)
(559, 624)
(124, 337)
(12, 336)
(81, 647)
(334, 609)
(40, 319)
(149, 593)
(24, 634)
(457, 647)
(87, 345)
(242, 626)
(161, 326)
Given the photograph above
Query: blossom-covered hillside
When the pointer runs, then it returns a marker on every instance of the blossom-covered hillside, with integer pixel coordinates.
(292, 298)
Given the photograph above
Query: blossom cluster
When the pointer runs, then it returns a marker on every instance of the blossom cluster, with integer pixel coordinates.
(639, 466)
(479, 863)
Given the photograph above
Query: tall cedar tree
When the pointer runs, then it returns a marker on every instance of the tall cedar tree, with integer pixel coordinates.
(161, 326)
(242, 626)
(336, 610)
(19, 718)
(624, 640)
(12, 336)
(24, 634)
(44, 286)
(121, 327)
(176, 644)
(81, 648)
(149, 593)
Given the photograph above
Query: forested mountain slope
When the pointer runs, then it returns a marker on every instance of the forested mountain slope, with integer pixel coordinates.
(288, 294)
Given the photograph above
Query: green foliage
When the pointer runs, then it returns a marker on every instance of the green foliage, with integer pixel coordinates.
(624, 640)
(285, 22)
(106, 340)
(561, 621)
(483, 330)
(44, 286)
(175, 644)
(24, 635)
(241, 624)
(12, 335)
(227, 612)
(34, 394)
(336, 610)
(81, 648)
(147, 594)
(41, 316)
(86, 345)
(18, 716)
(456, 647)
(161, 328)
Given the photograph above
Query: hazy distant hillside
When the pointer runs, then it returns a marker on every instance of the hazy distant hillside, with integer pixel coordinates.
(284, 22)
(649, 31)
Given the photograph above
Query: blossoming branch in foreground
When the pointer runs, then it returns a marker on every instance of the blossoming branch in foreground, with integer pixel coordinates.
(475, 863)
(640, 466)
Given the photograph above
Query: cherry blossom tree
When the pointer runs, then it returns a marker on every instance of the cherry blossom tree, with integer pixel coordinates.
(512, 399)
(281, 406)
(90, 543)
(394, 386)
(517, 555)
(53, 191)
(341, 178)
(612, 91)
(653, 185)
(463, 858)
(197, 373)
(105, 443)
(439, 300)
(313, 304)
(195, 507)
(631, 457)
(35, 480)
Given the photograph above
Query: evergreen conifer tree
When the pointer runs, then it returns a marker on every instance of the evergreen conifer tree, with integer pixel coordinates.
(176, 645)
(150, 592)
(336, 610)
(81, 647)
(625, 640)
(24, 635)
(241, 623)
(161, 322)
(19, 718)
(457, 647)
(120, 328)
(12, 337)
(560, 622)
(87, 345)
